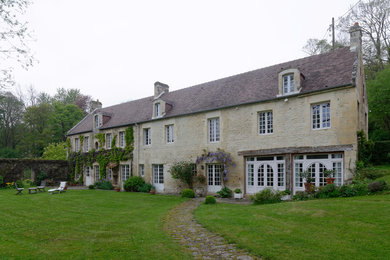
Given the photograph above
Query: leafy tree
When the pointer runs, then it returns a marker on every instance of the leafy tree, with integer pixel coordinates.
(7, 152)
(55, 151)
(378, 91)
(315, 46)
(63, 118)
(11, 114)
(13, 39)
(183, 171)
(374, 19)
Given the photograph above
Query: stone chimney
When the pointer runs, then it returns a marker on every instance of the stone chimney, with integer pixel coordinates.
(94, 105)
(160, 88)
(355, 37)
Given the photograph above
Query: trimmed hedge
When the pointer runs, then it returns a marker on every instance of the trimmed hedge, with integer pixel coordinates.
(188, 193)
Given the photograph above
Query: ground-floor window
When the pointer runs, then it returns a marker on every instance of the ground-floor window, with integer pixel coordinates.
(125, 170)
(158, 173)
(316, 164)
(97, 175)
(265, 172)
(214, 174)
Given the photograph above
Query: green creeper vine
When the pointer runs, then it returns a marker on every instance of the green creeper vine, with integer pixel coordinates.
(78, 160)
(81, 140)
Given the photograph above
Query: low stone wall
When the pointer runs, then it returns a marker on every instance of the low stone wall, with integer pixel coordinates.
(13, 169)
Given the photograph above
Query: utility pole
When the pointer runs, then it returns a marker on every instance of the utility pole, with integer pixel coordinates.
(333, 42)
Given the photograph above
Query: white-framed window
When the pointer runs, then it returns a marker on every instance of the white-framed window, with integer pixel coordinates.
(320, 114)
(97, 173)
(213, 130)
(86, 144)
(158, 173)
(122, 142)
(288, 83)
(298, 179)
(157, 109)
(251, 174)
(281, 175)
(169, 134)
(125, 170)
(108, 141)
(141, 170)
(76, 144)
(266, 125)
(87, 171)
(96, 121)
(214, 174)
(147, 136)
(109, 174)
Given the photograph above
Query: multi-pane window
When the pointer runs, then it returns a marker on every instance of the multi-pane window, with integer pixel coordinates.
(122, 142)
(280, 174)
(157, 110)
(86, 144)
(125, 170)
(108, 174)
(194, 169)
(318, 168)
(76, 144)
(108, 141)
(214, 130)
(251, 175)
(288, 83)
(97, 173)
(141, 170)
(337, 173)
(158, 173)
(260, 176)
(298, 170)
(266, 122)
(96, 121)
(147, 136)
(321, 115)
(169, 133)
(214, 174)
(87, 171)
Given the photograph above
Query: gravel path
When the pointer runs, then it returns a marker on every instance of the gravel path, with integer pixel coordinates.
(203, 244)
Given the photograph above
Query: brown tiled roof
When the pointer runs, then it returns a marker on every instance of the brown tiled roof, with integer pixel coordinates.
(320, 71)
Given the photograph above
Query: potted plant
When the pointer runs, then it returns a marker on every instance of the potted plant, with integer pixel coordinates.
(117, 189)
(329, 176)
(153, 190)
(238, 194)
(286, 195)
(308, 180)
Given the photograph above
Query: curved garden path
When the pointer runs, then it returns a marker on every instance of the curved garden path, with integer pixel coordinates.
(203, 244)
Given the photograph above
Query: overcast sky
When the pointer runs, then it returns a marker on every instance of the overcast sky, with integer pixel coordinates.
(116, 50)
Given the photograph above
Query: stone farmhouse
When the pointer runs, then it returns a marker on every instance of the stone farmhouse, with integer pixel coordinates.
(275, 122)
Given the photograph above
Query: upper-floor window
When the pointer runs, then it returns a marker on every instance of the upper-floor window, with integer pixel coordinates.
(122, 142)
(96, 121)
(76, 144)
(86, 144)
(147, 136)
(288, 83)
(169, 133)
(157, 109)
(266, 125)
(108, 141)
(320, 115)
(214, 130)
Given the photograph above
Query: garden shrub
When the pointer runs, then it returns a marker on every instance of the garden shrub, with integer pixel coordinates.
(184, 171)
(145, 188)
(1, 180)
(210, 200)
(360, 189)
(347, 191)
(91, 187)
(267, 196)
(328, 191)
(20, 184)
(225, 192)
(301, 195)
(40, 177)
(188, 193)
(104, 185)
(134, 183)
(377, 186)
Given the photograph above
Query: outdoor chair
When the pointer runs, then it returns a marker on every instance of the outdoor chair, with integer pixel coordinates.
(59, 189)
(41, 187)
(19, 190)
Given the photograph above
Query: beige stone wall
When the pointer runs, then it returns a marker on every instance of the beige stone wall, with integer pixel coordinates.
(239, 132)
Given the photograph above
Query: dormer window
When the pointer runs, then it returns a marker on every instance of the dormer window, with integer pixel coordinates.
(288, 83)
(97, 124)
(157, 109)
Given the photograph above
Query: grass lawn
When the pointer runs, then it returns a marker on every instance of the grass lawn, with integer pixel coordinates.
(342, 228)
(83, 224)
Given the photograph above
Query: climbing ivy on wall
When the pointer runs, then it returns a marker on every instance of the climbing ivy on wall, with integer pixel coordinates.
(78, 160)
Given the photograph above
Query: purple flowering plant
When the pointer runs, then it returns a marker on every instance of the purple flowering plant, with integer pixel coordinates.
(219, 156)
